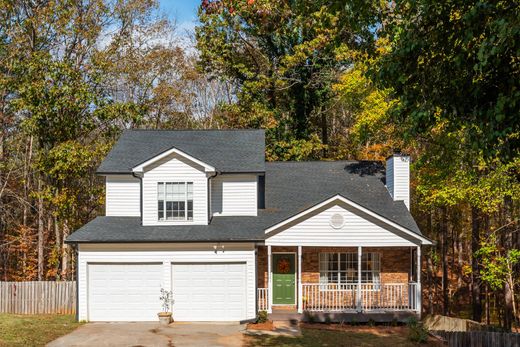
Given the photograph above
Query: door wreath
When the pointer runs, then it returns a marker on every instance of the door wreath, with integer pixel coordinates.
(283, 265)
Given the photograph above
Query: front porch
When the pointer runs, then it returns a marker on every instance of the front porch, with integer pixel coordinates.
(339, 283)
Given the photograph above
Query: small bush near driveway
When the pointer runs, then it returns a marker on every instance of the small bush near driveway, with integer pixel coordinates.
(34, 330)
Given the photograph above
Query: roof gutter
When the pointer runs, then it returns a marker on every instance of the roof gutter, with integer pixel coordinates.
(258, 241)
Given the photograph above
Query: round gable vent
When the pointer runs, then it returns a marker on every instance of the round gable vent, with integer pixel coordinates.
(337, 221)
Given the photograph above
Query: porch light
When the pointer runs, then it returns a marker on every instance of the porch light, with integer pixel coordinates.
(215, 247)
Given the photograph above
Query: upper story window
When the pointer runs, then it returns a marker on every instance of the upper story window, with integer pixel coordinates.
(342, 268)
(175, 201)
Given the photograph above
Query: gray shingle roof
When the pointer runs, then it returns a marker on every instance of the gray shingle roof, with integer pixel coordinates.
(291, 187)
(226, 150)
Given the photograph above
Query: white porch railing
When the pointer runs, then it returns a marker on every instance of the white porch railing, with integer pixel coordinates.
(334, 298)
(339, 298)
(329, 297)
(389, 296)
(263, 299)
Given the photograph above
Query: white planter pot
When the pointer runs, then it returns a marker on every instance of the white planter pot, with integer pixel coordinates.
(165, 318)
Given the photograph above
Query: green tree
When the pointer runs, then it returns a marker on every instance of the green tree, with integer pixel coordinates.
(453, 66)
(283, 58)
(73, 74)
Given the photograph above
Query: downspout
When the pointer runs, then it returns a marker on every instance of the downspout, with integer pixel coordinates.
(210, 215)
(140, 177)
(76, 249)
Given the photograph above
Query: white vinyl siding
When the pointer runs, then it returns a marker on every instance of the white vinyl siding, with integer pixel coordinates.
(398, 178)
(234, 195)
(174, 168)
(166, 254)
(123, 196)
(356, 231)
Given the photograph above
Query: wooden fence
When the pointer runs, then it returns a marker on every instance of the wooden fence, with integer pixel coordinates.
(38, 297)
(479, 338)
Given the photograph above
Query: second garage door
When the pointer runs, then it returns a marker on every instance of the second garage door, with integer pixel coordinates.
(209, 291)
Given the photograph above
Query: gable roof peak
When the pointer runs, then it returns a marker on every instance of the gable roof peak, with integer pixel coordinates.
(240, 150)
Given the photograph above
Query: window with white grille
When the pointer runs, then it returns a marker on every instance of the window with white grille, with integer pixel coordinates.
(175, 201)
(342, 268)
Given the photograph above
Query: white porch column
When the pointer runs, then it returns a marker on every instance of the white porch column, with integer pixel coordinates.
(359, 299)
(269, 281)
(300, 287)
(418, 294)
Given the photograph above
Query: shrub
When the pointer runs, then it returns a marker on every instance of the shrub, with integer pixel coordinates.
(328, 320)
(166, 299)
(261, 317)
(417, 332)
(308, 317)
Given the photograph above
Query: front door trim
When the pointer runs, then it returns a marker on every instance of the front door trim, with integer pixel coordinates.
(295, 278)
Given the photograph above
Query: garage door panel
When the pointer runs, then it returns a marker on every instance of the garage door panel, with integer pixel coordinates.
(209, 291)
(124, 292)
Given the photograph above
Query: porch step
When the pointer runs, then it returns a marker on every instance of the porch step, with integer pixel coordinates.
(286, 316)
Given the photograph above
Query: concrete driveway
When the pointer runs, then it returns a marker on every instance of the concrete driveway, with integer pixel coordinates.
(152, 334)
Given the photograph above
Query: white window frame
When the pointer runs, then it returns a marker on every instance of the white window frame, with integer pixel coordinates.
(347, 262)
(188, 196)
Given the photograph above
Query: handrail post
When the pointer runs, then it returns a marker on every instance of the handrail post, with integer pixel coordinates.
(418, 289)
(269, 281)
(300, 288)
(359, 303)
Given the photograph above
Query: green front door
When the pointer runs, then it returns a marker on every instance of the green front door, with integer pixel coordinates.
(284, 278)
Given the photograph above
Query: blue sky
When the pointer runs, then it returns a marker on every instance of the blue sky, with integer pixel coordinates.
(183, 11)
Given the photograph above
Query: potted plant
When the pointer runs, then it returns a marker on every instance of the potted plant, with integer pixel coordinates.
(165, 317)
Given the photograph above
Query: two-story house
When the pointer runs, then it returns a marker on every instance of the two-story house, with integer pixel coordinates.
(202, 214)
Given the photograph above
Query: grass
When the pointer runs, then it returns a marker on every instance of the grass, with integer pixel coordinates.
(34, 330)
(318, 337)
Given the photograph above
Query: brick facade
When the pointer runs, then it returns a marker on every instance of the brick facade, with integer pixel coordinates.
(395, 262)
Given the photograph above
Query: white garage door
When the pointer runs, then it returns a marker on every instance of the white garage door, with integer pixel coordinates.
(209, 292)
(124, 292)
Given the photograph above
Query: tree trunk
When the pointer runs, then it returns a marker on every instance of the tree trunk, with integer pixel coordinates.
(508, 287)
(488, 312)
(27, 165)
(57, 245)
(476, 302)
(65, 259)
(324, 132)
(431, 284)
(444, 254)
(40, 232)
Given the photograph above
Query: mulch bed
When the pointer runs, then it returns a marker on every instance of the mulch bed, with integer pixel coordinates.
(261, 326)
(379, 330)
